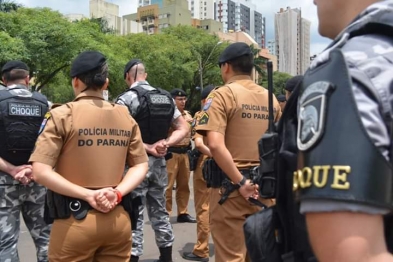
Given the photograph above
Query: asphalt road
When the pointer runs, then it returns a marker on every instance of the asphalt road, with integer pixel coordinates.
(185, 237)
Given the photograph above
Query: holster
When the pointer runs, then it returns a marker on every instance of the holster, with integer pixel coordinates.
(61, 207)
(131, 205)
(213, 174)
(193, 156)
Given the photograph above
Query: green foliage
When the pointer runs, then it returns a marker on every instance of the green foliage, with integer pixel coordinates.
(48, 43)
(279, 80)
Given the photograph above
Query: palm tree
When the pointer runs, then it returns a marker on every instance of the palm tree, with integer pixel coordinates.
(7, 6)
(259, 62)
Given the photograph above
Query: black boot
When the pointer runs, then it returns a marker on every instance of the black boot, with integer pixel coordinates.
(134, 258)
(165, 254)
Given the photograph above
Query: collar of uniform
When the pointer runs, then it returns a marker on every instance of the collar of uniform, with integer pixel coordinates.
(89, 94)
(238, 77)
(16, 86)
(139, 83)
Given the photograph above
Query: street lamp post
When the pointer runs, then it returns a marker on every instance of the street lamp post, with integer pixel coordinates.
(201, 66)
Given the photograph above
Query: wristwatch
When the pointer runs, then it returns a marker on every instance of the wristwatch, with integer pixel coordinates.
(242, 182)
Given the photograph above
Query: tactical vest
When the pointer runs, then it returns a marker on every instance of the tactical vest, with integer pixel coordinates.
(328, 83)
(155, 113)
(21, 115)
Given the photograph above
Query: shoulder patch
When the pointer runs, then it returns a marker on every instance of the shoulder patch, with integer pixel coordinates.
(208, 102)
(204, 119)
(43, 124)
(312, 113)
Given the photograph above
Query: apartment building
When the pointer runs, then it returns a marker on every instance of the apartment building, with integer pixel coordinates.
(202, 9)
(173, 12)
(242, 15)
(292, 41)
(110, 12)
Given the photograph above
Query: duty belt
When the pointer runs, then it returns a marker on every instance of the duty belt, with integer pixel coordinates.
(179, 150)
(215, 177)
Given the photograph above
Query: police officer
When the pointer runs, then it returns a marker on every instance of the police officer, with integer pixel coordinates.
(21, 114)
(291, 84)
(87, 142)
(155, 112)
(179, 166)
(348, 188)
(282, 100)
(201, 192)
(239, 103)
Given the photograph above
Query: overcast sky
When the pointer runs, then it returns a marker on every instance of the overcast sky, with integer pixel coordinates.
(266, 7)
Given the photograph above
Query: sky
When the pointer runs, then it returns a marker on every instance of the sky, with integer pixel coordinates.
(266, 7)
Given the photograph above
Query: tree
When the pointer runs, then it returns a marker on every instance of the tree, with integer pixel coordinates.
(9, 6)
(259, 62)
(103, 24)
(279, 80)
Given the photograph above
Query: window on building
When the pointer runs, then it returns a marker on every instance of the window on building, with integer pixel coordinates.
(205, 14)
(205, 8)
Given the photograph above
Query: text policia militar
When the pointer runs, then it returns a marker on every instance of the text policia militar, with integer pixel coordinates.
(254, 111)
(103, 137)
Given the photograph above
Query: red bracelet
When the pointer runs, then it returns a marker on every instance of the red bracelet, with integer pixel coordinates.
(119, 196)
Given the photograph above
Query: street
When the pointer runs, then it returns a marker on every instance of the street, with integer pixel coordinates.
(185, 237)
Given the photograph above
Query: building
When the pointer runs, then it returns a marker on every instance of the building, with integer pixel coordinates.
(233, 37)
(74, 17)
(292, 41)
(174, 12)
(202, 9)
(110, 12)
(142, 3)
(271, 46)
(241, 15)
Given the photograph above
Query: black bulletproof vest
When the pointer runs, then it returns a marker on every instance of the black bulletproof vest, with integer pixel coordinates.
(155, 113)
(21, 115)
(370, 176)
(294, 241)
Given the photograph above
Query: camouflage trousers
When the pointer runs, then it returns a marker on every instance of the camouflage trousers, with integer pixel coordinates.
(28, 200)
(152, 190)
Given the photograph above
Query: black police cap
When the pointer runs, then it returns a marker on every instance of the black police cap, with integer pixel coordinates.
(293, 82)
(206, 91)
(234, 51)
(281, 98)
(11, 65)
(86, 62)
(178, 92)
(130, 64)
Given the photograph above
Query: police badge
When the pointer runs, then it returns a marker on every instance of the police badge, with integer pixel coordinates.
(312, 113)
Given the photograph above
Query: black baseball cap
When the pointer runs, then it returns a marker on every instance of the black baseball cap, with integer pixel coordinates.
(281, 98)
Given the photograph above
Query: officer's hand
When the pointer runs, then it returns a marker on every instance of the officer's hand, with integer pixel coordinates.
(101, 206)
(106, 198)
(249, 190)
(18, 169)
(24, 175)
(158, 149)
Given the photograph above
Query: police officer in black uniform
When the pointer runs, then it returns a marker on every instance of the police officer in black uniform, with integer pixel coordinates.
(21, 115)
(155, 112)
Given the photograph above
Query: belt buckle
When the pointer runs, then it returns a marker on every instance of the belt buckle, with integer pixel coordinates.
(75, 205)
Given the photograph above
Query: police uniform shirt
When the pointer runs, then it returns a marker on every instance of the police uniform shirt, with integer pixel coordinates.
(187, 139)
(239, 111)
(92, 138)
(131, 99)
(364, 56)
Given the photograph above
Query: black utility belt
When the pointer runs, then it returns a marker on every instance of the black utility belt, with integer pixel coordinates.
(218, 179)
(179, 150)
